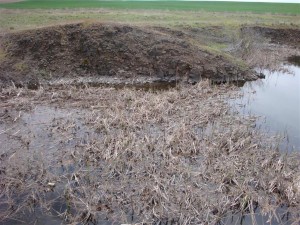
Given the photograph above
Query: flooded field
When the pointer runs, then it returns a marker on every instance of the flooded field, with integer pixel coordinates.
(111, 156)
(276, 101)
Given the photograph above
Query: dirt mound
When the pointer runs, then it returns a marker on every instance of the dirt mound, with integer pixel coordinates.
(276, 35)
(108, 50)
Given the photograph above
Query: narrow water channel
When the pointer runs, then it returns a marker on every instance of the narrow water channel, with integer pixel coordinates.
(276, 101)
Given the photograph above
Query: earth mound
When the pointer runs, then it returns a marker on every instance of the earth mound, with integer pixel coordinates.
(85, 50)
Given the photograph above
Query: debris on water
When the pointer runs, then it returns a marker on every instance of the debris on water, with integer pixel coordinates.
(261, 76)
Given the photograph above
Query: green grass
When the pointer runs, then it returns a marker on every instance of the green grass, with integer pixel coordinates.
(281, 8)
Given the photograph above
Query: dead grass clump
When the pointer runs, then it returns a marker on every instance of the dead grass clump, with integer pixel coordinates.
(129, 156)
(261, 52)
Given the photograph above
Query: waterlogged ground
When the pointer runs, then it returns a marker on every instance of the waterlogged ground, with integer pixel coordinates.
(276, 100)
(115, 156)
(76, 151)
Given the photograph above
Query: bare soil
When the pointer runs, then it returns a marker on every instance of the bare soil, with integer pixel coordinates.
(110, 50)
(281, 36)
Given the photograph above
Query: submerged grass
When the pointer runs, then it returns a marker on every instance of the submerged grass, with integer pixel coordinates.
(130, 156)
(178, 156)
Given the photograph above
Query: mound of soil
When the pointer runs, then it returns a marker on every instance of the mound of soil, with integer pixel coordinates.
(108, 50)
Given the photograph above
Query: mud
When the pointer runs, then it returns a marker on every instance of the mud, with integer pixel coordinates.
(84, 50)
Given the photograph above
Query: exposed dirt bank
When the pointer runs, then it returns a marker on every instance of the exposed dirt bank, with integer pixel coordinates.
(109, 50)
(282, 36)
(266, 48)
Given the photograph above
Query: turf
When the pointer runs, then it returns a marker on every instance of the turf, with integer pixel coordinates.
(278, 8)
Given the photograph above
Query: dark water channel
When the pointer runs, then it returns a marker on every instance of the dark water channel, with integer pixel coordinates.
(276, 101)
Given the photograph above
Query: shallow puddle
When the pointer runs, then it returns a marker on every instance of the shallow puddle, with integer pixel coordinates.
(258, 218)
(44, 129)
(276, 100)
(141, 83)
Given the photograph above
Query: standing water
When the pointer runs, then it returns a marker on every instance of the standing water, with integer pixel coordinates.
(276, 99)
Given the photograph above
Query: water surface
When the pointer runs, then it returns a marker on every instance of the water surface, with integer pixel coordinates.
(276, 100)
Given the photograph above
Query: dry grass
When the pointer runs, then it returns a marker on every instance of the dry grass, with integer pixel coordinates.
(14, 20)
(173, 157)
(258, 53)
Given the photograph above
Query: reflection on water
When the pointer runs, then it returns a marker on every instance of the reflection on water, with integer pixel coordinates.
(140, 83)
(258, 218)
(277, 99)
(295, 59)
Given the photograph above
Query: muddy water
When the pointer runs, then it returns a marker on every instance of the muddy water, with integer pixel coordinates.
(276, 101)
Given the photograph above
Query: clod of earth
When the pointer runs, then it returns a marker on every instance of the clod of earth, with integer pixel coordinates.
(110, 50)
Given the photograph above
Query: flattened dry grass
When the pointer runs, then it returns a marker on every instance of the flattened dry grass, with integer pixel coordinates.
(14, 20)
(178, 156)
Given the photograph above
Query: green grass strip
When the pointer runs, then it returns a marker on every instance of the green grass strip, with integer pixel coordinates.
(275, 8)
